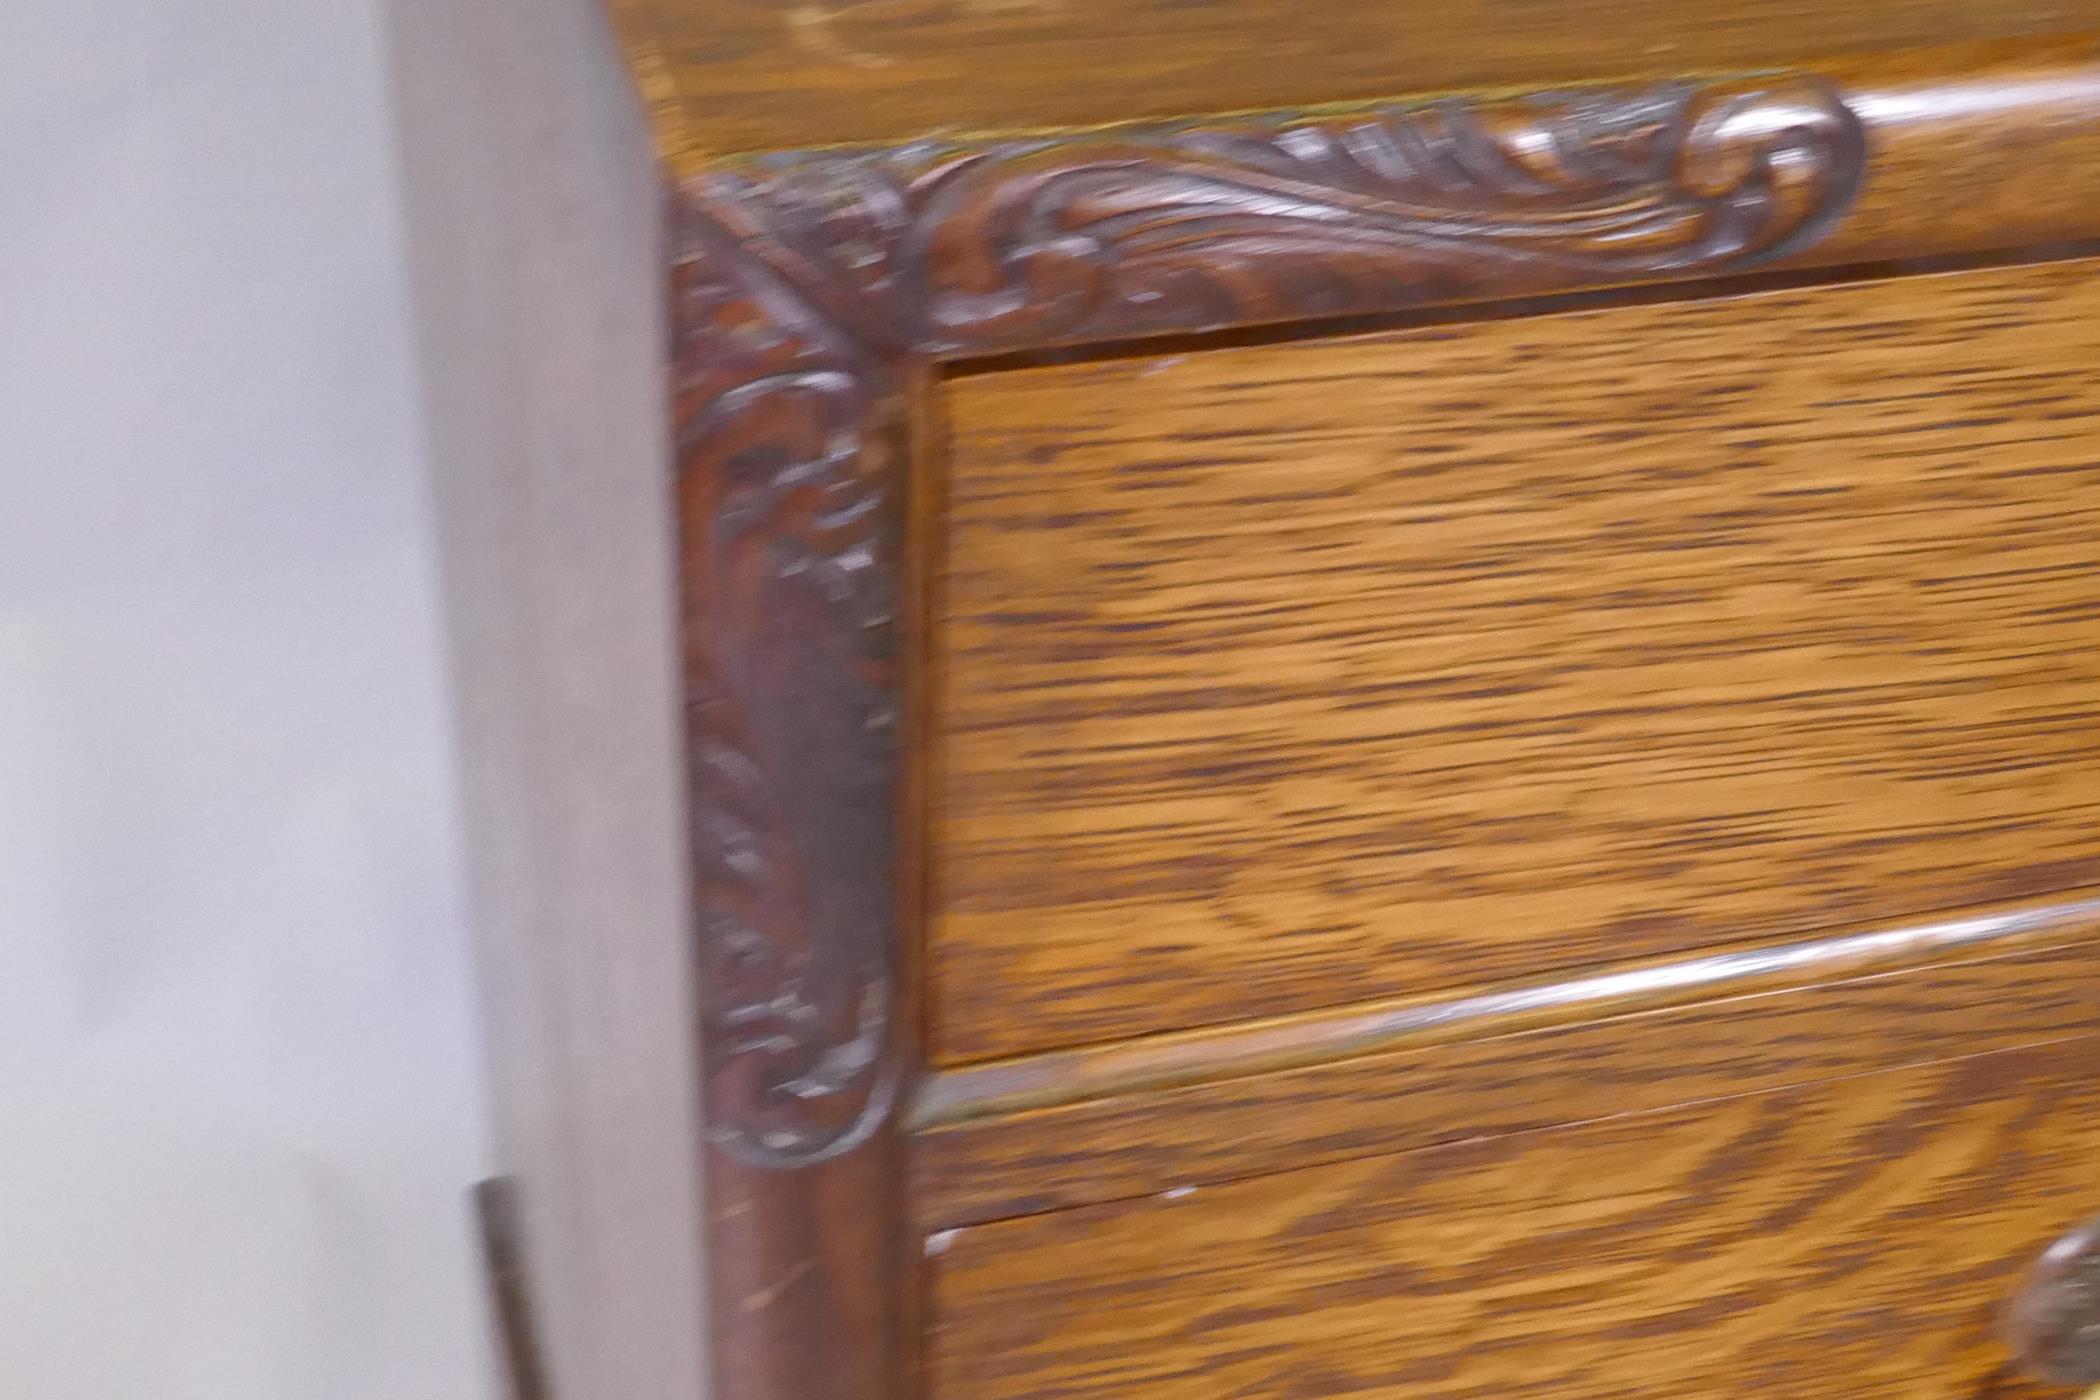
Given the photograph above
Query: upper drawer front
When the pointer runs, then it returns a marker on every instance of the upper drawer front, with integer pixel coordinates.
(1273, 678)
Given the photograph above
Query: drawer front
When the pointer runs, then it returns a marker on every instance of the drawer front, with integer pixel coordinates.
(1841, 1241)
(1285, 677)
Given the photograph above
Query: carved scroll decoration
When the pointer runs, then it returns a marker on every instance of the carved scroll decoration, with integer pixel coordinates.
(804, 285)
(787, 459)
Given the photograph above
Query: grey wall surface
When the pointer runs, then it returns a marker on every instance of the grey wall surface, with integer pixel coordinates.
(535, 216)
(239, 1091)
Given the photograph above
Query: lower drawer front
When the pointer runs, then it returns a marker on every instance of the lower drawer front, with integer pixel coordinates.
(1848, 1239)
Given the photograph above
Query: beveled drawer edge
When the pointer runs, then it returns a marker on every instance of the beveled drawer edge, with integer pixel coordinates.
(1633, 1040)
(1156, 1062)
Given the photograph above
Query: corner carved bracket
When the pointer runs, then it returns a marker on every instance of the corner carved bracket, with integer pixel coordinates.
(806, 286)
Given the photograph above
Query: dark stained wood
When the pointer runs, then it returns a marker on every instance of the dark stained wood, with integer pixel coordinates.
(736, 75)
(1294, 676)
(975, 248)
(1197, 1109)
(790, 626)
(1852, 1240)
(791, 620)
(968, 249)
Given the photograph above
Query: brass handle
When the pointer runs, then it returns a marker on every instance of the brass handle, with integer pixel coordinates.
(2054, 1321)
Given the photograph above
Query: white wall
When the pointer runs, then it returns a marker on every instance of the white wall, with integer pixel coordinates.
(535, 229)
(239, 1098)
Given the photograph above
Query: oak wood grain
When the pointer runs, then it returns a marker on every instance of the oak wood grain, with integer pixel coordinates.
(1291, 676)
(729, 76)
(1845, 1241)
(1454, 1075)
(1058, 1077)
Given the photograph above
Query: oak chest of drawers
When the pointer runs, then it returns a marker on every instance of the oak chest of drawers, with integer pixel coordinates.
(1391, 701)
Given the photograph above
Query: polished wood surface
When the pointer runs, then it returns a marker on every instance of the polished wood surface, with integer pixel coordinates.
(790, 667)
(1283, 677)
(1844, 1241)
(1072, 1129)
(962, 247)
(726, 76)
(867, 196)
(1055, 1077)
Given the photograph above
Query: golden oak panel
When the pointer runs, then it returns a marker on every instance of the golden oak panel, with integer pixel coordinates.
(728, 76)
(1283, 677)
(1453, 1073)
(1850, 1241)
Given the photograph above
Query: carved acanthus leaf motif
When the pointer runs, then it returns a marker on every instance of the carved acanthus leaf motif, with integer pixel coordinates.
(790, 629)
(805, 281)
(980, 249)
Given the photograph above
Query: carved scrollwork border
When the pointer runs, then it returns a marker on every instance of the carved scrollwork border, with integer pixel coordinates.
(805, 283)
